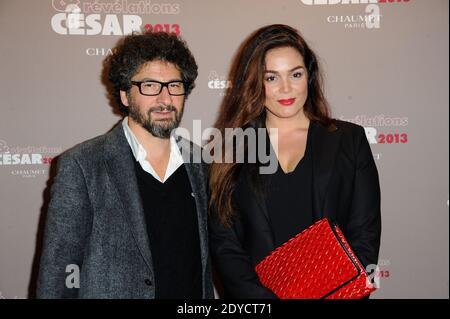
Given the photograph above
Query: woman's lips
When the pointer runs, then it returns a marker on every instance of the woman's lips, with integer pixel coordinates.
(286, 102)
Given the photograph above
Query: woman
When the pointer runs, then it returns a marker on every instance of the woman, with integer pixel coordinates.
(325, 166)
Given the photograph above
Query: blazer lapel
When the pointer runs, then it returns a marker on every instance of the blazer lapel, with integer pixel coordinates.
(259, 188)
(119, 162)
(325, 146)
(258, 181)
(258, 207)
(192, 162)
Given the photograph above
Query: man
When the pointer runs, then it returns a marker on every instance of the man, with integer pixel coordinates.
(128, 209)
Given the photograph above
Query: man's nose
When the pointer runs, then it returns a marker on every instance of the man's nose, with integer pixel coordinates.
(164, 97)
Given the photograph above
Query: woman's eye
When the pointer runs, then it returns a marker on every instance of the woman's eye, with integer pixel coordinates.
(297, 74)
(270, 78)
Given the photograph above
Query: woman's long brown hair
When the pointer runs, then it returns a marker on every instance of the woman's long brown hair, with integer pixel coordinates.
(243, 104)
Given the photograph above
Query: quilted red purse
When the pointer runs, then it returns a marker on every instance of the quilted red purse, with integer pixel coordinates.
(317, 263)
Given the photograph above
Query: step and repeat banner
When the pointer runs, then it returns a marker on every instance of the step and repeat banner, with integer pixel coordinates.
(386, 68)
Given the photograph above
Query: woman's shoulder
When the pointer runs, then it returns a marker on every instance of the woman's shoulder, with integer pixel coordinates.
(351, 132)
(348, 126)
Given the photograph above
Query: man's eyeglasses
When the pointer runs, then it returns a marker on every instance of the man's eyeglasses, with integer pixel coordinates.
(152, 88)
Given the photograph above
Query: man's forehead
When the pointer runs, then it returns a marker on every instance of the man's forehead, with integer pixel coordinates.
(158, 67)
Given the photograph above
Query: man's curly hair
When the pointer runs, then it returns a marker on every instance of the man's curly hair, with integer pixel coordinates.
(137, 49)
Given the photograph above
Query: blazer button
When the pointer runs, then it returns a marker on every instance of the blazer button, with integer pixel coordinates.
(148, 282)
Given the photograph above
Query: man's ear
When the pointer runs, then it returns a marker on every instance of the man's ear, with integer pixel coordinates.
(124, 98)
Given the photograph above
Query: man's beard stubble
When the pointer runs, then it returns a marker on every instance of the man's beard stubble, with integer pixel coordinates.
(158, 128)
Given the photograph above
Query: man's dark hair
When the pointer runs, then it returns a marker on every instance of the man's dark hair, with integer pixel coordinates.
(137, 49)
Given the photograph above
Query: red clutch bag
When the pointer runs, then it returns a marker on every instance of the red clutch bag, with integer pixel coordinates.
(317, 263)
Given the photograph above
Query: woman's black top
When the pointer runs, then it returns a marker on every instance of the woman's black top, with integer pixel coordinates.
(289, 198)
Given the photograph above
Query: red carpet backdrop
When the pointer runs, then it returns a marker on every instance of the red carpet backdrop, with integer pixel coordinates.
(386, 68)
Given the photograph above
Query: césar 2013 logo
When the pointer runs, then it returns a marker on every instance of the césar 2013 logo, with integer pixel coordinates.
(374, 137)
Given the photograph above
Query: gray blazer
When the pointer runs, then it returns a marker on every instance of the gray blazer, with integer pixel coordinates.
(96, 222)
